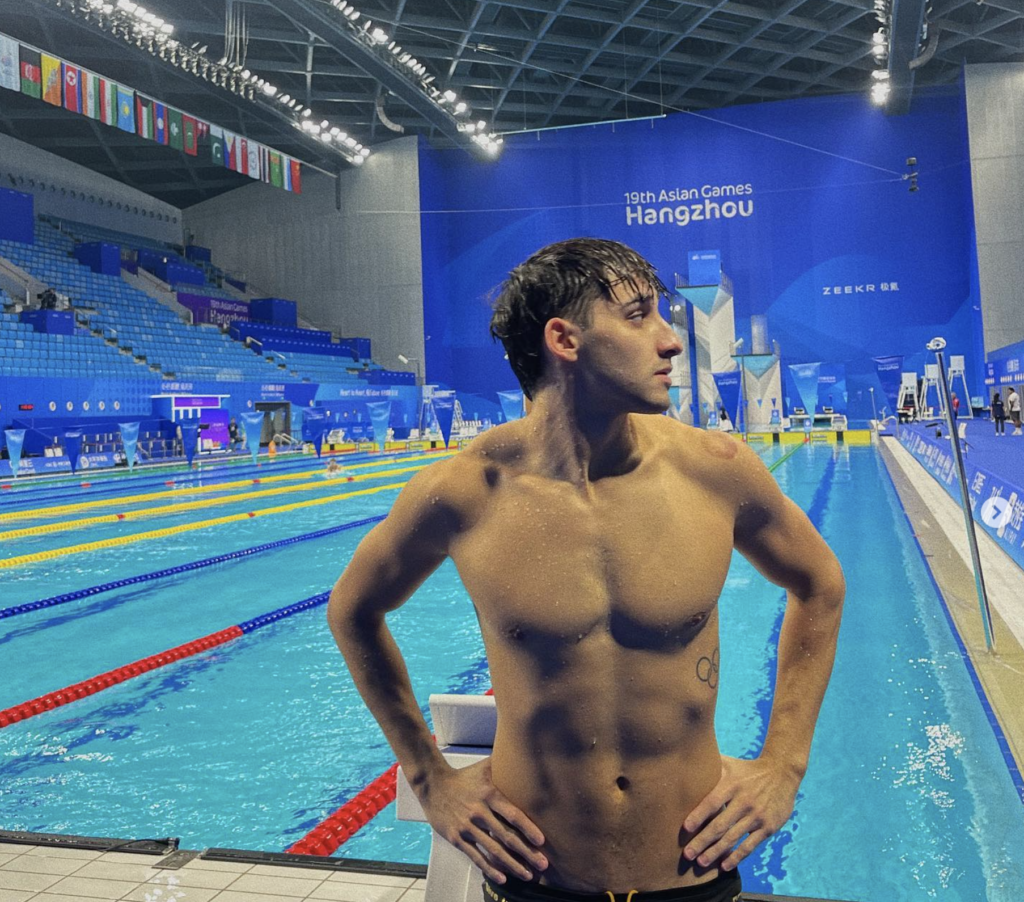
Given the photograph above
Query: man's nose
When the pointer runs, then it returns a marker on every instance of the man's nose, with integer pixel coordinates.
(671, 344)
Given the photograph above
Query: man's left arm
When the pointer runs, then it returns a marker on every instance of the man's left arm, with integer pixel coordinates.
(754, 798)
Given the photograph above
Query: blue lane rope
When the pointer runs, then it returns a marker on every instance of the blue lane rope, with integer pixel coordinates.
(185, 568)
(266, 619)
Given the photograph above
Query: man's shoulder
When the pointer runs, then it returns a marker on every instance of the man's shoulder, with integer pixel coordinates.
(462, 480)
(718, 460)
(690, 446)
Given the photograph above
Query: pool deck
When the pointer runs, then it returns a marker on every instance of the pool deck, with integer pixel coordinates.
(938, 524)
(46, 873)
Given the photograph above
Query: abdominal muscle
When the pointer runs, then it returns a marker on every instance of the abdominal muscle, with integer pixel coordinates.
(608, 773)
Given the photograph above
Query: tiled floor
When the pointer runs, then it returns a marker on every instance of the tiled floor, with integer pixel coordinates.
(48, 874)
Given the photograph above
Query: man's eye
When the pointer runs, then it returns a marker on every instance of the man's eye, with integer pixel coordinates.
(637, 315)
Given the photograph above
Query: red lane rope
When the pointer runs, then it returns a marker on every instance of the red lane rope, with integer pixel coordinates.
(338, 828)
(112, 677)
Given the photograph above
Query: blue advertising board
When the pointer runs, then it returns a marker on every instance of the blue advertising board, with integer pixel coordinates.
(997, 504)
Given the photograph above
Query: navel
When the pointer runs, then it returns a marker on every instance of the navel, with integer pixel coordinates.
(622, 783)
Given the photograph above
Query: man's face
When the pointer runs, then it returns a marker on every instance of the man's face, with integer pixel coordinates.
(626, 354)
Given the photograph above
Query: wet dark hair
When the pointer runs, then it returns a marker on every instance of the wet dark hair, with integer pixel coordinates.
(560, 280)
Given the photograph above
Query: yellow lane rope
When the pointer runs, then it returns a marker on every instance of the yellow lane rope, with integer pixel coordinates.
(61, 509)
(47, 528)
(187, 527)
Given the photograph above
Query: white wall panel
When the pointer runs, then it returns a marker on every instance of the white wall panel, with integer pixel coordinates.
(69, 191)
(355, 270)
(995, 118)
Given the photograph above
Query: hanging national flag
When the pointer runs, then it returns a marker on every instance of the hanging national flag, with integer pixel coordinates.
(230, 149)
(188, 127)
(265, 164)
(217, 145)
(159, 123)
(51, 80)
(275, 169)
(253, 167)
(144, 117)
(125, 111)
(72, 88)
(174, 128)
(9, 77)
(202, 129)
(243, 156)
(286, 173)
(31, 72)
(296, 168)
(90, 95)
(108, 102)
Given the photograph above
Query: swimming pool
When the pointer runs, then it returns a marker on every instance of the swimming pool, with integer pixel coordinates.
(251, 744)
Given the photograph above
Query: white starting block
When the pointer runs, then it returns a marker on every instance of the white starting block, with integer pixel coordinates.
(464, 726)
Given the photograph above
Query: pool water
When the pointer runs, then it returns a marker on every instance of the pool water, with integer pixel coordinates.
(253, 743)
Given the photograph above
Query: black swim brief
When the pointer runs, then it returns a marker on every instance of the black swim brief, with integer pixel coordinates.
(726, 887)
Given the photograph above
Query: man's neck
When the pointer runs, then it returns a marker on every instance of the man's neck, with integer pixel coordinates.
(574, 442)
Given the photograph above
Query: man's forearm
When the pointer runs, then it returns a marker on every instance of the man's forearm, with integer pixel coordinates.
(807, 649)
(380, 675)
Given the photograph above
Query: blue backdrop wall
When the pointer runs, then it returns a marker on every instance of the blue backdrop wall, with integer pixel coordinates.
(805, 199)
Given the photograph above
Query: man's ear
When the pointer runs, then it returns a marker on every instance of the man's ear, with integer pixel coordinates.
(562, 338)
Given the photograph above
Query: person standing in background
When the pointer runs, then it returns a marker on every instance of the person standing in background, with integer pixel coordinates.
(999, 414)
(955, 405)
(1013, 408)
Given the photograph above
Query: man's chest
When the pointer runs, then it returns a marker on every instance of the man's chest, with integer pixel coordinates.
(644, 560)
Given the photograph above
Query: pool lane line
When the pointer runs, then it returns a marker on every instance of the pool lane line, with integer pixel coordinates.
(39, 512)
(67, 597)
(773, 467)
(186, 527)
(61, 697)
(258, 495)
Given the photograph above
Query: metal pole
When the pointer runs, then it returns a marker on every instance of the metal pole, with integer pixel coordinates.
(874, 410)
(936, 345)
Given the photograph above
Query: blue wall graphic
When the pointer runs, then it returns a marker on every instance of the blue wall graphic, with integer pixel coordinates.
(805, 200)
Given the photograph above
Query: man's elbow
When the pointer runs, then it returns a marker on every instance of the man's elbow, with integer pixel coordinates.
(830, 586)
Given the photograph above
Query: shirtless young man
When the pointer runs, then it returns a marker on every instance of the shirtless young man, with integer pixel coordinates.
(594, 540)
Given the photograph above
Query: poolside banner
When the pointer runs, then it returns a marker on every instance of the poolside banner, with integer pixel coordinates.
(314, 425)
(130, 440)
(73, 446)
(15, 441)
(890, 372)
(444, 410)
(728, 385)
(511, 404)
(380, 416)
(252, 423)
(189, 438)
(805, 377)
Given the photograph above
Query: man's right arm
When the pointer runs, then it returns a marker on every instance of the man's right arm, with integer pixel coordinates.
(387, 567)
